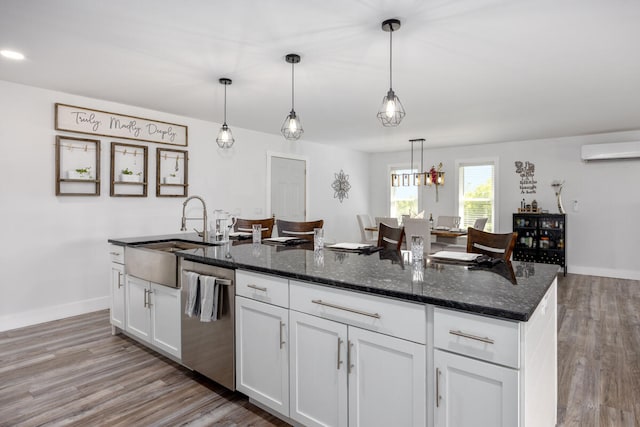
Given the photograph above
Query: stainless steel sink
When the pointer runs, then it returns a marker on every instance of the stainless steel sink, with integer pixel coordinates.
(172, 246)
(156, 261)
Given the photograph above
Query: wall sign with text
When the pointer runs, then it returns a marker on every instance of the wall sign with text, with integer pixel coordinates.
(528, 183)
(96, 122)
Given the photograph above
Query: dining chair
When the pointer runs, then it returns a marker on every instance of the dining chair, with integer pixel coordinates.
(365, 221)
(246, 226)
(418, 227)
(299, 229)
(391, 222)
(390, 237)
(480, 223)
(494, 245)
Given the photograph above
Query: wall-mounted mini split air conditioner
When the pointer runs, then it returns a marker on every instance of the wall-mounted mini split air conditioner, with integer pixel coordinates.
(617, 150)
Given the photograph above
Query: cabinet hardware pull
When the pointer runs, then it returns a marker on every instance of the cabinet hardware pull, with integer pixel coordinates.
(149, 292)
(119, 280)
(115, 253)
(257, 288)
(145, 298)
(339, 345)
(438, 397)
(352, 310)
(349, 364)
(281, 340)
(472, 337)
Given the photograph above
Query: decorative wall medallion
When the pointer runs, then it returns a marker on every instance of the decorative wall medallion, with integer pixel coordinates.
(341, 186)
(528, 184)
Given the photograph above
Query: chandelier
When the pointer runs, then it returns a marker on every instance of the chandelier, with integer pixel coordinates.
(434, 176)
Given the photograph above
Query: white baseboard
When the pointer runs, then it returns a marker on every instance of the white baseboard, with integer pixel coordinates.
(47, 314)
(605, 272)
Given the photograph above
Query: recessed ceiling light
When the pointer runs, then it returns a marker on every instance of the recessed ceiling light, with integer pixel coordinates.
(11, 54)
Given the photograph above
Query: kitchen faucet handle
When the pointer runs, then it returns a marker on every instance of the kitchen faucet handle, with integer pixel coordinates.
(199, 233)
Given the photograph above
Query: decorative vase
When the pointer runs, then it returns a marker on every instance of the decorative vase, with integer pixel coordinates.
(557, 186)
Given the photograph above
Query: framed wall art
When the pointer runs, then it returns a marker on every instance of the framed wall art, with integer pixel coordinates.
(172, 173)
(129, 171)
(77, 166)
(96, 122)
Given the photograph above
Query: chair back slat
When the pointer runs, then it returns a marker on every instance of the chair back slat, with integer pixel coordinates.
(300, 229)
(390, 237)
(491, 244)
(246, 225)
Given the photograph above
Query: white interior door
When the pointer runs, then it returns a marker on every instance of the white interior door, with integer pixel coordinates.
(288, 187)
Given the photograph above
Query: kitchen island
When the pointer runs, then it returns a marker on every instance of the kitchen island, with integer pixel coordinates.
(451, 345)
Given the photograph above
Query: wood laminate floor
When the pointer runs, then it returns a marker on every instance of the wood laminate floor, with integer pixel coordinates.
(74, 372)
(598, 352)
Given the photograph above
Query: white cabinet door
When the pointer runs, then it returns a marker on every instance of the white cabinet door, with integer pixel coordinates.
(387, 385)
(164, 303)
(474, 393)
(117, 295)
(137, 317)
(262, 359)
(318, 370)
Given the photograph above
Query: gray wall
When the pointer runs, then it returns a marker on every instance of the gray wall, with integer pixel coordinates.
(602, 236)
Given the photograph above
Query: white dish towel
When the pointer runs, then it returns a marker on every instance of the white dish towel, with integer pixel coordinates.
(191, 307)
(209, 291)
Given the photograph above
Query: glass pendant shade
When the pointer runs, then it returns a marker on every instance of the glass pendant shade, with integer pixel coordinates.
(292, 127)
(225, 137)
(391, 111)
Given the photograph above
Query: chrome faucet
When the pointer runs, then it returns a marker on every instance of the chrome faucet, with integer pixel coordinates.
(205, 230)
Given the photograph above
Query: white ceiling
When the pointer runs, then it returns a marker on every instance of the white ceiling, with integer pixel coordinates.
(467, 71)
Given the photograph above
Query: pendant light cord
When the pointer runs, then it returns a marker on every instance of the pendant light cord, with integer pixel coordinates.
(225, 104)
(390, 57)
(412, 156)
(292, 86)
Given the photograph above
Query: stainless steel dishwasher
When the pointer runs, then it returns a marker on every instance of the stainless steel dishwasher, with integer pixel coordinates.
(209, 347)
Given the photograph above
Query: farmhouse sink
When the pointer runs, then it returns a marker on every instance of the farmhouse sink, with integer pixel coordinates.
(172, 245)
(156, 261)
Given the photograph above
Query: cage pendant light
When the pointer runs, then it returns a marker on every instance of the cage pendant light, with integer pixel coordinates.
(225, 137)
(292, 126)
(391, 112)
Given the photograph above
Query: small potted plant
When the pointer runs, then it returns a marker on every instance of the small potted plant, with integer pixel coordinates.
(172, 178)
(127, 175)
(79, 173)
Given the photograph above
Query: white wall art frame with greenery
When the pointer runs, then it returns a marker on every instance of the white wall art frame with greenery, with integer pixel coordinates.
(172, 173)
(77, 166)
(129, 170)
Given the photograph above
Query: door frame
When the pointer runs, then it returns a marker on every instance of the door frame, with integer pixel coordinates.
(305, 159)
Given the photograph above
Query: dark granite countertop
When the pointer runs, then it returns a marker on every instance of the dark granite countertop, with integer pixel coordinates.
(504, 291)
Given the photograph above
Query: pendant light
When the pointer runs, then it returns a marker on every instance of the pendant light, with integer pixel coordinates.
(391, 111)
(225, 137)
(292, 127)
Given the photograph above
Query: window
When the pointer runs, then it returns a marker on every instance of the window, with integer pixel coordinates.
(476, 193)
(404, 199)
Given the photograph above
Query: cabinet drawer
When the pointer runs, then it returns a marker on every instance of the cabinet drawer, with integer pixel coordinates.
(263, 287)
(116, 253)
(486, 338)
(388, 316)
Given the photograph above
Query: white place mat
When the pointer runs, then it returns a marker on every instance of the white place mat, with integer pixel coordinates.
(442, 228)
(455, 256)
